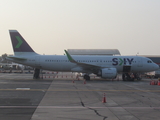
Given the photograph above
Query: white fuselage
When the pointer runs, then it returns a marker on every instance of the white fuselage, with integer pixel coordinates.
(61, 62)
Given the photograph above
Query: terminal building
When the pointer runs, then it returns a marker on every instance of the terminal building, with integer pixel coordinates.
(94, 52)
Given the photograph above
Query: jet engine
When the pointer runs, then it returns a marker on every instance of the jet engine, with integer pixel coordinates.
(108, 73)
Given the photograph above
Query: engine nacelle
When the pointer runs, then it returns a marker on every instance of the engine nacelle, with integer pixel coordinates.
(108, 73)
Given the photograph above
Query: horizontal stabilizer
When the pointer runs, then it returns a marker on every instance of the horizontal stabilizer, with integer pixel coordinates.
(17, 58)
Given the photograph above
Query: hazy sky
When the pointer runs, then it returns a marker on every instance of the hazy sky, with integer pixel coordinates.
(50, 26)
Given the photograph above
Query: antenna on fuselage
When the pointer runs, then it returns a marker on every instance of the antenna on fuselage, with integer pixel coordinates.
(137, 53)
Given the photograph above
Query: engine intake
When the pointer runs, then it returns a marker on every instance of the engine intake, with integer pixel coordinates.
(108, 73)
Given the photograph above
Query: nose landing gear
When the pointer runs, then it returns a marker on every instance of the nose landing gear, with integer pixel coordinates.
(86, 77)
(130, 76)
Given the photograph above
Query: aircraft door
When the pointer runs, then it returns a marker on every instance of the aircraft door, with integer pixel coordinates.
(126, 69)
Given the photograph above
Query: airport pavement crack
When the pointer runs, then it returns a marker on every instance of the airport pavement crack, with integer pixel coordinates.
(96, 112)
(82, 104)
(104, 117)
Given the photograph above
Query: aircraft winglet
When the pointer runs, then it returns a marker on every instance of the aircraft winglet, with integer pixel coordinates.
(70, 57)
(84, 65)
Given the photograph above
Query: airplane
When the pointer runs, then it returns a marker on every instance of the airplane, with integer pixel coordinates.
(11, 66)
(104, 66)
(20, 67)
(5, 66)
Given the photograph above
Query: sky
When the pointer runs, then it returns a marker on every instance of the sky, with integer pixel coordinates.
(50, 26)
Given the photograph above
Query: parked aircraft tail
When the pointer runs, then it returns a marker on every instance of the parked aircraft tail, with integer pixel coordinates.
(20, 46)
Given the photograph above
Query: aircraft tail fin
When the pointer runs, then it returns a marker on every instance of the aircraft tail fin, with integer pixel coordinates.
(20, 46)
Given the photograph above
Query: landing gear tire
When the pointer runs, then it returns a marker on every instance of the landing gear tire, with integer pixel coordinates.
(123, 77)
(127, 77)
(36, 73)
(137, 76)
(86, 77)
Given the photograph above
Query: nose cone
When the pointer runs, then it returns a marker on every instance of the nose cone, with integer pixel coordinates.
(155, 67)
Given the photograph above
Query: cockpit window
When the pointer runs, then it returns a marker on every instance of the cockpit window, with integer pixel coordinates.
(149, 61)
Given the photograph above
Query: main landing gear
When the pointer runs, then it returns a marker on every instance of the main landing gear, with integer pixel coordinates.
(130, 77)
(86, 77)
(127, 77)
(36, 74)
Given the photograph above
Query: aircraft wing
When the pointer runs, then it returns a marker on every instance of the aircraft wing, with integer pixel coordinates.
(84, 66)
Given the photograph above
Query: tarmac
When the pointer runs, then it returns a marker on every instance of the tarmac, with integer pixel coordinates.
(23, 98)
